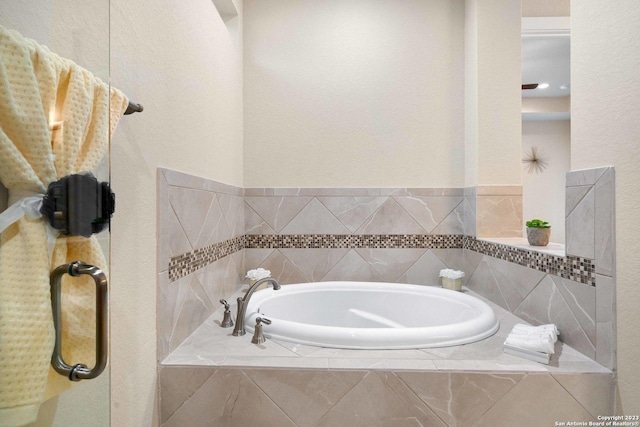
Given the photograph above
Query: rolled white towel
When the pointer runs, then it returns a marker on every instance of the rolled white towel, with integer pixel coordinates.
(542, 344)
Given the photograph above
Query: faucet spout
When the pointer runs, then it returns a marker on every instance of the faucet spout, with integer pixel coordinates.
(243, 302)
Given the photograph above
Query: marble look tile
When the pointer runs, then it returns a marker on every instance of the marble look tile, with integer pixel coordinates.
(486, 349)
(470, 215)
(191, 208)
(169, 297)
(440, 352)
(220, 279)
(429, 212)
(483, 282)
(595, 392)
(382, 364)
(499, 190)
(515, 281)
(211, 341)
(177, 384)
(380, 399)
(315, 218)
(282, 269)
(233, 213)
(277, 211)
(580, 228)
(174, 235)
(390, 264)
(314, 264)
(546, 305)
(305, 396)
(195, 309)
(604, 223)
(352, 211)
(459, 398)
(390, 218)
(254, 224)
(457, 365)
(425, 271)
(537, 400)
(253, 258)
(353, 267)
(343, 353)
(573, 196)
(258, 192)
(470, 261)
(214, 229)
(606, 336)
(162, 230)
(452, 258)
(453, 223)
(581, 299)
(180, 179)
(229, 398)
(499, 216)
(584, 177)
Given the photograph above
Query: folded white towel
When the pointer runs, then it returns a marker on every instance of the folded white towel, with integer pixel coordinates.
(536, 338)
(528, 329)
(541, 344)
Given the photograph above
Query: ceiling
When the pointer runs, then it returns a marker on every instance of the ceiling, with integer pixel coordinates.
(545, 59)
(546, 44)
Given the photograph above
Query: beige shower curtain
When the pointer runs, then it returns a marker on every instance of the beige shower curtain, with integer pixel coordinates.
(37, 88)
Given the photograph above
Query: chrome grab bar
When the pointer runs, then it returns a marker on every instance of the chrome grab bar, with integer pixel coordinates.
(79, 371)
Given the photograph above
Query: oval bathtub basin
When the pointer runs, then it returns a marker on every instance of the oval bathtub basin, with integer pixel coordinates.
(371, 315)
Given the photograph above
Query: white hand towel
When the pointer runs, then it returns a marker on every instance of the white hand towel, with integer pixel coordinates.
(543, 345)
(528, 329)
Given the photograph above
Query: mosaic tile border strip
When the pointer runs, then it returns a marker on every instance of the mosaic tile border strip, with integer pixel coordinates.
(185, 264)
(354, 241)
(581, 270)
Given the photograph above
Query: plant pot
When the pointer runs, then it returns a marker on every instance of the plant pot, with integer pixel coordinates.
(538, 236)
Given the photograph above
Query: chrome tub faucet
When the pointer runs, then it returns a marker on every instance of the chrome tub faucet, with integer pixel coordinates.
(244, 301)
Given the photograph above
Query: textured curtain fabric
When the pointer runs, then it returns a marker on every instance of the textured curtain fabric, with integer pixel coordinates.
(38, 88)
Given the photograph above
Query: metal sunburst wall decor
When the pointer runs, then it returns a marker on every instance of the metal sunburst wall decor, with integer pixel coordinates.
(535, 161)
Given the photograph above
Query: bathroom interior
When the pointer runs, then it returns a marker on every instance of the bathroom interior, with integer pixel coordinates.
(283, 134)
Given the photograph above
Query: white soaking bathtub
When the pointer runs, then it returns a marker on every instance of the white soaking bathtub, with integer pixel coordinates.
(371, 315)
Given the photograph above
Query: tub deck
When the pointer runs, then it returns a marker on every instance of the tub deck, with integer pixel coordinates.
(211, 345)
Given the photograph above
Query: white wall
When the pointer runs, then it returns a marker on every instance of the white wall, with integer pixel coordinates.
(354, 93)
(182, 64)
(543, 194)
(605, 125)
(493, 96)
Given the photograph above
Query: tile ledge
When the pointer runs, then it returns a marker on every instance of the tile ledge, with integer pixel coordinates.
(556, 249)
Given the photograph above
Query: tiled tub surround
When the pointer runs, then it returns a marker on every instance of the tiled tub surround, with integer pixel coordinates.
(364, 234)
(572, 386)
(279, 383)
(200, 228)
(379, 235)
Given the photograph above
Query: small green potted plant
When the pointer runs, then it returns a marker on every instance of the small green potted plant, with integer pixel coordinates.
(538, 232)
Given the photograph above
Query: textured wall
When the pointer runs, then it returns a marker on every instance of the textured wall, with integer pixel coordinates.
(604, 63)
(492, 92)
(355, 94)
(185, 66)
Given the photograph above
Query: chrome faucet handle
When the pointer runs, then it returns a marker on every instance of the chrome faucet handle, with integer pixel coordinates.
(258, 336)
(226, 319)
